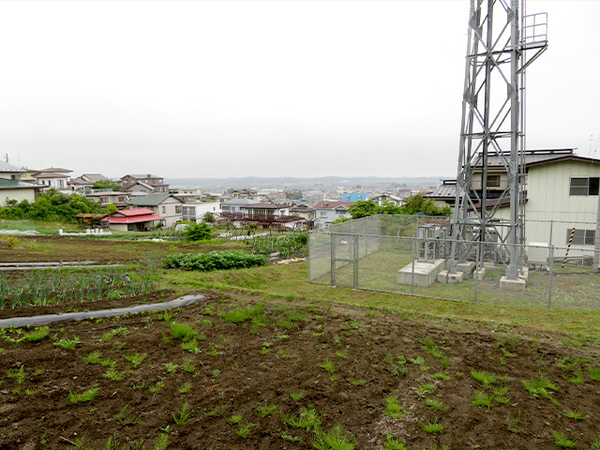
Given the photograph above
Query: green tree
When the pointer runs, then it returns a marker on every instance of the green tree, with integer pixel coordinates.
(106, 185)
(198, 232)
(417, 203)
(363, 208)
(209, 217)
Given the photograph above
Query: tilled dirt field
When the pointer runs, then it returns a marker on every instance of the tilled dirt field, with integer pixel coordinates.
(348, 366)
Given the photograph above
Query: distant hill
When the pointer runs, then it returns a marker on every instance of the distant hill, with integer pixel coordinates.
(306, 183)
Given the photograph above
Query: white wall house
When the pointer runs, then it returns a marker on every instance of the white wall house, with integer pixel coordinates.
(235, 205)
(195, 211)
(561, 194)
(327, 212)
(55, 178)
(12, 189)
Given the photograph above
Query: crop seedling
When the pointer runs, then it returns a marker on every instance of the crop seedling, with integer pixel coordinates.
(307, 419)
(431, 348)
(188, 366)
(562, 441)
(290, 438)
(297, 395)
(342, 355)
(541, 387)
(93, 358)
(235, 419)
(435, 405)
(157, 387)
(162, 442)
(68, 344)
(86, 396)
(578, 378)
(183, 416)
(424, 389)
(114, 375)
(358, 382)
(327, 366)
(485, 378)
(397, 364)
(433, 427)
(218, 410)
(392, 443)
(284, 354)
(170, 367)
(116, 332)
(569, 364)
(482, 399)
(594, 372)
(421, 362)
(191, 346)
(182, 331)
(124, 419)
(185, 388)
(37, 335)
(264, 411)
(18, 374)
(500, 394)
(575, 415)
(136, 358)
(394, 408)
(335, 439)
(441, 376)
(245, 430)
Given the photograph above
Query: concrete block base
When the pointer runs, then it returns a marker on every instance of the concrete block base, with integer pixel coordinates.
(450, 278)
(425, 273)
(479, 274)
(513, 285)
(467, 268)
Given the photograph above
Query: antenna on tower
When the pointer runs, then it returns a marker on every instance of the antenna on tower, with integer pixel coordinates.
(491, 152)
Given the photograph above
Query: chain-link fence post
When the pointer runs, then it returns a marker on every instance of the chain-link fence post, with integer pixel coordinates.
(412, 276)
(551, 274)
(478, 263)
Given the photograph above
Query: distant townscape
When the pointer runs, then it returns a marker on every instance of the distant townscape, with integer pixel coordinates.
(142, 202)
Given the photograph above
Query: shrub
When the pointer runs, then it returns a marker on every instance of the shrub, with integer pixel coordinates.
(215, 260)
(198, 232)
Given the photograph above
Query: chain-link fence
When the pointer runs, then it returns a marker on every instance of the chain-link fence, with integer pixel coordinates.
(409, 254)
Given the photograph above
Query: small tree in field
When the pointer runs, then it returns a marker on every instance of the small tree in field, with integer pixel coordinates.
(198, 232)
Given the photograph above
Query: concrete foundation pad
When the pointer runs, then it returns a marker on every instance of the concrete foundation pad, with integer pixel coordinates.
(479, 274)
(450, 278)
(467, 268)
(513, 285)
(525, 274)
(425, 273)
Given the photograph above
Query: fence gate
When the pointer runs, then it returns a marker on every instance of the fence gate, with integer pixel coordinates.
(344, 259)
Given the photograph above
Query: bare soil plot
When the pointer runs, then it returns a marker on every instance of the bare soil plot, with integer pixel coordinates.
(275, 362)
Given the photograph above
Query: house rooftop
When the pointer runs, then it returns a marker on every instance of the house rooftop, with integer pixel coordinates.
(8, 167)
(150, 199)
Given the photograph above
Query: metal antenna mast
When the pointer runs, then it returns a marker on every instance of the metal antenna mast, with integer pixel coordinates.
(492, 127)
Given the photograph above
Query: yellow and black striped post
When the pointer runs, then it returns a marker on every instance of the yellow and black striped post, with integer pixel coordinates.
(568, 248)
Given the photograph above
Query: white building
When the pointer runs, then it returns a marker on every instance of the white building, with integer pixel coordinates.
(327, 212)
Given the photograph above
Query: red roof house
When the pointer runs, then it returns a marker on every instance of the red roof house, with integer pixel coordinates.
(140, 219)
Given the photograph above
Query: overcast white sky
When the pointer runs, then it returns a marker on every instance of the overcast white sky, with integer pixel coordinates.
(269, 88)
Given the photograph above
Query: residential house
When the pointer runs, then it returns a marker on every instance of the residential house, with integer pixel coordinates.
(270, 215)
(83, 184)
(54, 177)
(386, 197)
(354, 196)
(327, 212)
(139, 189)
(561, 193)
(139, 219)
(169, 207)
(234, 206)
(12, 189)
(251, 194)
(306, 213)
(152, 180)
(196, 211)
(117, 198)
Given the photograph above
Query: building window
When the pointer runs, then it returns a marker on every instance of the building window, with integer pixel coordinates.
(323, 214)
(103, 199)
(493, 181)
(164, 209)
(584, 186)
(581, 237)
(121, 199)
(177, 209)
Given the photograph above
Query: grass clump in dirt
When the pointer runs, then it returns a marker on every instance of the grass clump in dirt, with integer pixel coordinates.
(86, 396)
(335, 439)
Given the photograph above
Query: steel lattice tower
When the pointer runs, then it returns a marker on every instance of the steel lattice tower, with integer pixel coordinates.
(492, 126)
